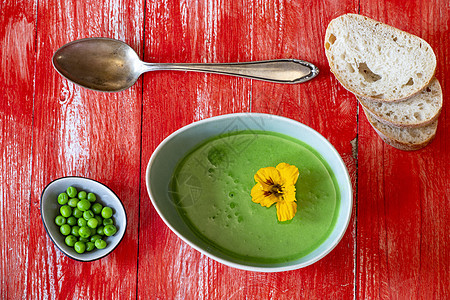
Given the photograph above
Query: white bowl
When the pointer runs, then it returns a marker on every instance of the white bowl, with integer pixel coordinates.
(105, 196)
(166, 156)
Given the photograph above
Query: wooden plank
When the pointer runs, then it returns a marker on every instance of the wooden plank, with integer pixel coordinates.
(197, 31)
(256, 30)
(297, 30)
(17, 61)
(403, 241)
(84, 133)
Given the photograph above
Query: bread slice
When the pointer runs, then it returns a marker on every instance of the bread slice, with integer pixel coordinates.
(407, 139)
(417, 111)
(376, 61)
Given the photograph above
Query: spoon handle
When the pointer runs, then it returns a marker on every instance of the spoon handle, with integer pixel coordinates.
(279, 70)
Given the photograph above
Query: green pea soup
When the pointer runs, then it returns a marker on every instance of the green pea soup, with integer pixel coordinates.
(211, 188)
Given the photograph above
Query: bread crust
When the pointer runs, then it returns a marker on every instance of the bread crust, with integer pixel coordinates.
(374, 23)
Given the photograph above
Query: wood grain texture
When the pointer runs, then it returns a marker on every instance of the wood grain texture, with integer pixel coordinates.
(403, 240)
(198, 31)
(17, 58)
(84, 133)
(397, 245)
(301, 29)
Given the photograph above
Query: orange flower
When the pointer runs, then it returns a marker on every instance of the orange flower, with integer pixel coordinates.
(277, 185)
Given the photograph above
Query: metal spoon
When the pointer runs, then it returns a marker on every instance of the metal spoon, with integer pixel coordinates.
(109, 65)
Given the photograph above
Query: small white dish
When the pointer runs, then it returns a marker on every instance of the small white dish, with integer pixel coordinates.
(162, 164)
(105, 196)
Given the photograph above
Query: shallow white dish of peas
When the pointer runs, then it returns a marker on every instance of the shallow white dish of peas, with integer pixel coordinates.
(50, 209)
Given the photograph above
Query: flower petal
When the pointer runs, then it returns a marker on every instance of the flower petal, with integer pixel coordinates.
(289, 195)
(288, 172)
(259, 195)
(286, 210)
(268, 177)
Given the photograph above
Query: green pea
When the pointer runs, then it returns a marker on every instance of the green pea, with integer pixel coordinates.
(84, 232)
(100, 230)
(77, 213)
(84, 240)
(110, 230)
(108, 222)
(73, 202)
(84, 205)
(88, 215)
(91, 197)
(90, 246)
(100, 244)
(82, 222)
(60, 220)
(107, 212)
(75, 230)
(99, 219)
(97, 208)
(80, 247)
(72, 220)
(72, 192)
(92, 223)
(63, 198)
(70, 240)
(65, 229)
(95, 237)
(65, 211)
(82, 195)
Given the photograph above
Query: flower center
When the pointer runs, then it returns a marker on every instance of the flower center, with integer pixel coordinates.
(277, 190)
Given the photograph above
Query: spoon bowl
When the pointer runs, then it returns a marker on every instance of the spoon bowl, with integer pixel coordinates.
(110, 65)
(100, 64)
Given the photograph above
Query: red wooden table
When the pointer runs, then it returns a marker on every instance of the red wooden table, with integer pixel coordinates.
(397, 245)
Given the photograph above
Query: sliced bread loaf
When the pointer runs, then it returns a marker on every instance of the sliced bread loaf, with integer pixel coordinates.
(420, 110)
(376, 61)
(407, 139)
